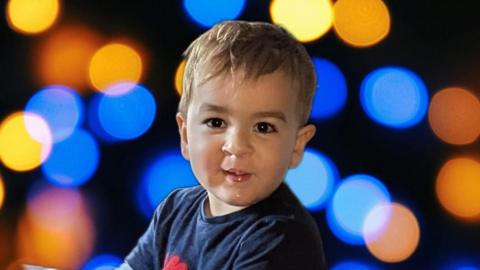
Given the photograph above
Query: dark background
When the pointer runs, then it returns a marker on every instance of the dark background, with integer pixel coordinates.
(439, 40)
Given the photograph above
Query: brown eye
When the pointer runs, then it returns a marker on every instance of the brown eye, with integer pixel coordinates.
(215, 123)
(264, 127)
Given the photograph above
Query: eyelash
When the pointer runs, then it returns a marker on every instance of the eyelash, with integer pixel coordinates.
(209, 122)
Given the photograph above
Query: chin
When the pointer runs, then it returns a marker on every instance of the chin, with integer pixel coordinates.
(241, 202)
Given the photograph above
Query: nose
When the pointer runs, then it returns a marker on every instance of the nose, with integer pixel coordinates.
(237, 143)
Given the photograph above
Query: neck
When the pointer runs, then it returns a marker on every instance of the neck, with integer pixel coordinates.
(213, 209)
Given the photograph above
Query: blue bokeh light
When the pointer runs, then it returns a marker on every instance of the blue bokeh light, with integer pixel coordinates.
(73, 161)
(459, 262)
(60, 106)
(351, 265)
(94, 123)
(103, 262)
(350, 205)
(166, 173)
(313, 180)
(127, 116)
(331, 93)
(394, 96)
(208, 13)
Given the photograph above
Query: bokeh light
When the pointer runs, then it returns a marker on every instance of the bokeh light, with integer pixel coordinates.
(7, 236)
(56, 230)
(73, 161)
(94, 123)
(313, 180)
(361, 23)
(25, 141)
(179, 77)
(115, 63)
(353, 200)
(128, 115)
(394, 96)
(331, 92)
(467, 268)
(2, 191)
(399, 237)
(458, 187)
(32, 16)
(454, 116)
(351, 265)
(462, 262)
(63, 57)
(307, 20)
(61, 107)
(166, 173)
(208, 13)
(103, 262)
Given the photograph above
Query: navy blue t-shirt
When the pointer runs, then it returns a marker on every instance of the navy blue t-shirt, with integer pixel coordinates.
(276, 233)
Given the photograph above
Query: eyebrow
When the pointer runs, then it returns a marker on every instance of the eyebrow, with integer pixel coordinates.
(219, 109)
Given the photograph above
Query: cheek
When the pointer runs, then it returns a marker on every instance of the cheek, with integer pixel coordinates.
(277, 155)
(205, 154)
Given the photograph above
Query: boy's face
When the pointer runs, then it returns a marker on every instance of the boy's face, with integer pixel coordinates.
(241, 138)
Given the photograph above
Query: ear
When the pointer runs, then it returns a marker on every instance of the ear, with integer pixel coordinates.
(304, 135)
(182, 129)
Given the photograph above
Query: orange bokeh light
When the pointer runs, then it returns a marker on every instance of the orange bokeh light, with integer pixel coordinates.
(399, 238)
(56, 230)
(458, 187)
(64, 56)
(361, 23)
(115, 63)
(179, 77)
(454, 116)
(2, 192)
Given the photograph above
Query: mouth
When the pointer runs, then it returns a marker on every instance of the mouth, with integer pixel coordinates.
(236, 176)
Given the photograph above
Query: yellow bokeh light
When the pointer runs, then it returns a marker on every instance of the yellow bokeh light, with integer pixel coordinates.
(56, 230)
(361, 23)
(399, 237)
(454, 116)
(114, 63)
(64, 56)
(307, 20)
(458, 187)
(25, 141)
(32, 16)
(179, 77)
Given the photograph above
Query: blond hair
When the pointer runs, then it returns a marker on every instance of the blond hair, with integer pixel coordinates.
(249, 49)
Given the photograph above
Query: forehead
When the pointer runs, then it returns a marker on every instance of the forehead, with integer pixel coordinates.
(274, 91)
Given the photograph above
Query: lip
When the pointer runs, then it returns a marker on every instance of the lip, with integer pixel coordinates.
(237, 176)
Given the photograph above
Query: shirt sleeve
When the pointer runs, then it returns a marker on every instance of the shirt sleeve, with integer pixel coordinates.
(146, 254)
(142, 255)
(280, 245)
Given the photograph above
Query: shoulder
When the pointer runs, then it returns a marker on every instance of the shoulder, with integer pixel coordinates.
(280, 243)
(177, 203)
(285, 236)
(185, 196)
